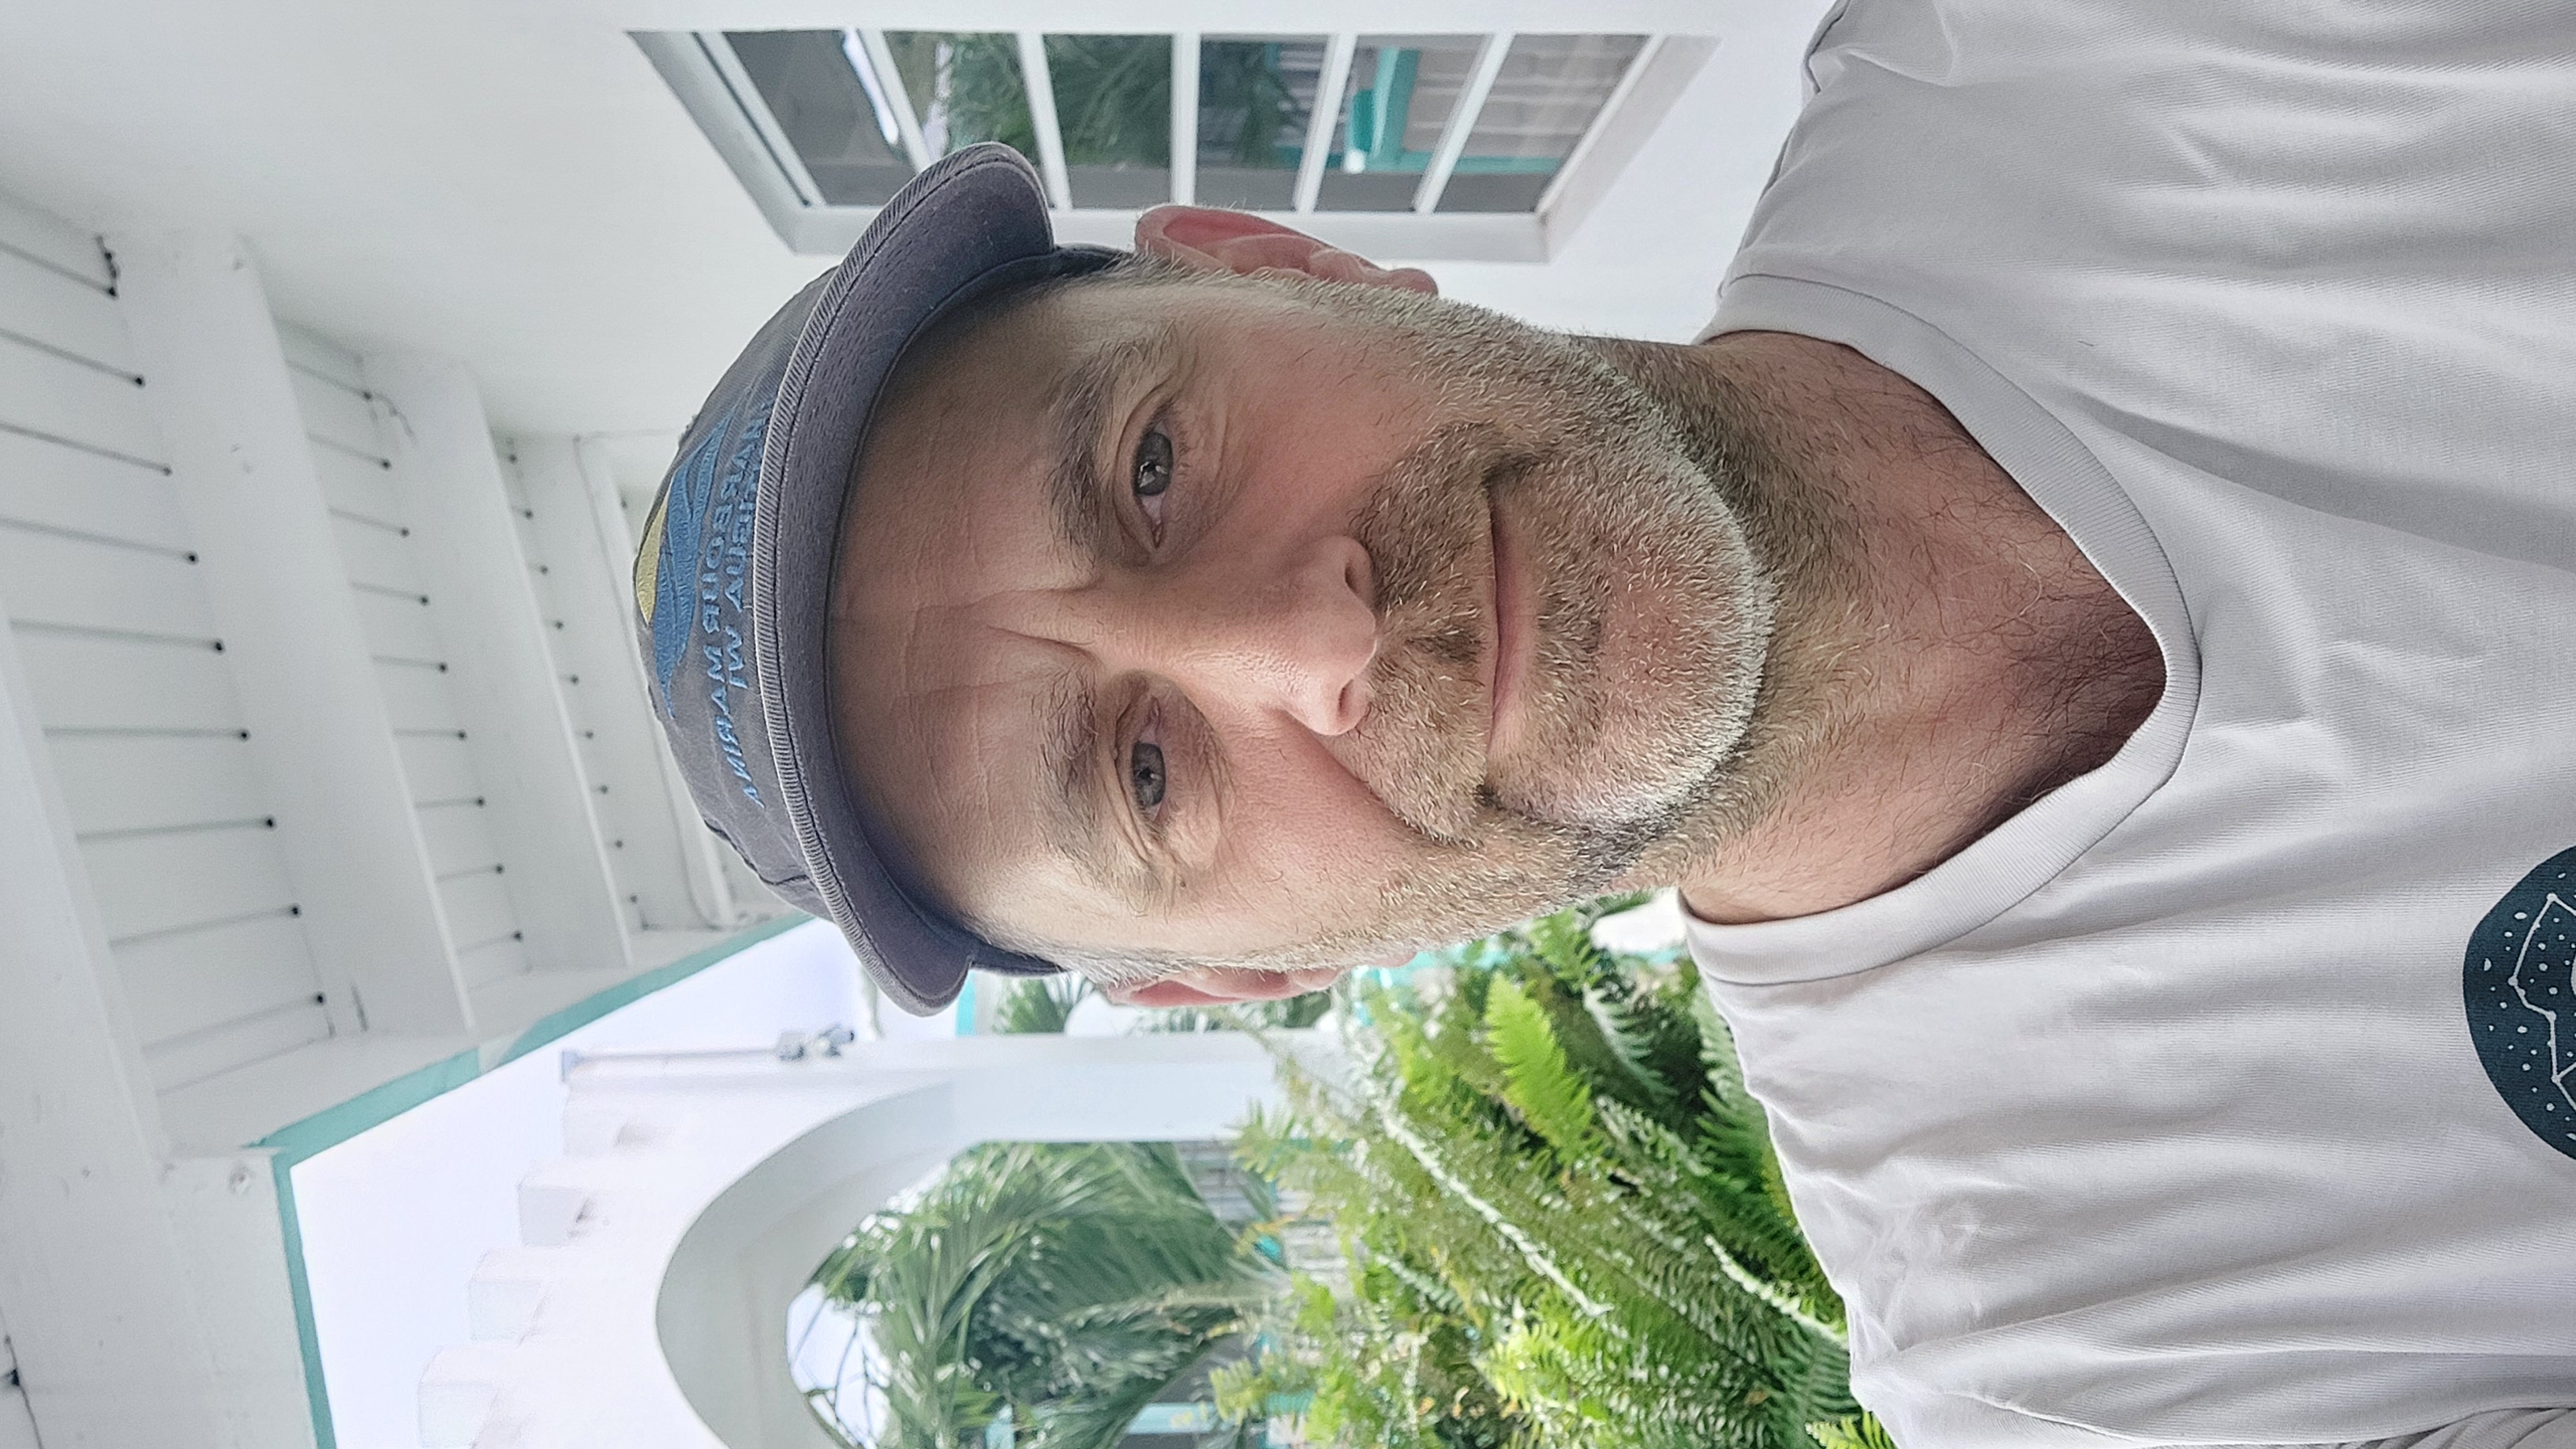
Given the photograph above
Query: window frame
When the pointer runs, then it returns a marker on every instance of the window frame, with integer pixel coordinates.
(702, 70)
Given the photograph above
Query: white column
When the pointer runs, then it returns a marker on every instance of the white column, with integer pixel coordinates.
(459, 509)
(101, 1316)
(217, 384)
(1462, 122)
(1321, 121)
(1043, 120)
(1185, 116)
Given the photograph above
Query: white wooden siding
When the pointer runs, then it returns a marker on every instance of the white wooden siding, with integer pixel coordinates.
(75, 584)
(414, 663)
(112, 687)
(44, 485)
(126, 667)
(580, 556)
(614, 799)
(437, 767)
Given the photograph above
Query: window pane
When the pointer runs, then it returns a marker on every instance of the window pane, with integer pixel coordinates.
(1545, 97)
(965, 87)
(1113, 100)
(1401, 91)
(1254, 100)
(846, 138)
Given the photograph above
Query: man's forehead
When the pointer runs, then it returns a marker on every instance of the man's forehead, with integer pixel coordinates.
(1018, 341)
(955, 751)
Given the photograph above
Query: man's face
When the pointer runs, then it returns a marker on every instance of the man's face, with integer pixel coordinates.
(1285, 624)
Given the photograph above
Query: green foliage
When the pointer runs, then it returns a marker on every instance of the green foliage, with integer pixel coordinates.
(1068, 1283)
(1038, 1005)
(1113, 92)
(1561, 1216)
(1551, 1100)
(1245, 106)
(1861, 1433)
(976, 78)
(1113, 98)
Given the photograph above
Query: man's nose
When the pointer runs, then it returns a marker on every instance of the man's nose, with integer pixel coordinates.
(1298, 641)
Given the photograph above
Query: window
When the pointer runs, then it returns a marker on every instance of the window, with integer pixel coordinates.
(1405, 145)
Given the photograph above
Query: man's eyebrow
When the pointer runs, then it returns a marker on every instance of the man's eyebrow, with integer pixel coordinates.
(1079, 415)
(1068, 743)
(1069, 789)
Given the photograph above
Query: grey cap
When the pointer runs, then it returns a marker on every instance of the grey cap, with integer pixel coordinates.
(733, 580)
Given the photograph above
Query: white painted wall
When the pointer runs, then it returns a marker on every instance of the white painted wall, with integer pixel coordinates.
(412, 656)
(110, 1255)
(17, 1425)
(101, 576)
(224, 891)
(396, 1219)
(580, 554)
(508, 695)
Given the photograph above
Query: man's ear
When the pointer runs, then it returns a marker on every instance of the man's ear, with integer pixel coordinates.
(1208, 239)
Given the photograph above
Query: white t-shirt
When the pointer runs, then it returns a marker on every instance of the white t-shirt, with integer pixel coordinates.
(2219, 1097)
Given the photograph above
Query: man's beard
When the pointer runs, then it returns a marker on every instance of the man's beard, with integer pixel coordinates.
(1653, 623)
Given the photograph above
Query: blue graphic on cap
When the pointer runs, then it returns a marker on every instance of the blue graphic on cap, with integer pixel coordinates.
(674, 604)
(724, 569)
(2519, 982)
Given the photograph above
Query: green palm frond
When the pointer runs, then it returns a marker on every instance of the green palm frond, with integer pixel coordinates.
(1071, 1282)
(1039, 1005)
(1562, 1215)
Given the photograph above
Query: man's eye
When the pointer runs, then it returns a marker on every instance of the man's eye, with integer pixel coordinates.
(1152, 475)
(1145, 779)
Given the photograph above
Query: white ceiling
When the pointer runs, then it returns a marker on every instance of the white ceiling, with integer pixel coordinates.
(509, 182)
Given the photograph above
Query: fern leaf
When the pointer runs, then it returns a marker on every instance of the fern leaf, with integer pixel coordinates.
(1549, 1097)
(1864, 1432)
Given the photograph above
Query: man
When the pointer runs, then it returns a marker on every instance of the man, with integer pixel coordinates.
(2090, 632)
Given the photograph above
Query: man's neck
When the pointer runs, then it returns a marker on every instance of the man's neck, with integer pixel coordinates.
(1944, 654)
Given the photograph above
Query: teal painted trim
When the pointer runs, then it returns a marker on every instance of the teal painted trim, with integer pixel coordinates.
(382, 1103)
(554, 1027)
(1394, 90)
(309, 1343)
(378, 1105)
(1363, 128)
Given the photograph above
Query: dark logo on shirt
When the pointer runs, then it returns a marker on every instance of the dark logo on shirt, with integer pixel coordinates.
(2522, 999)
